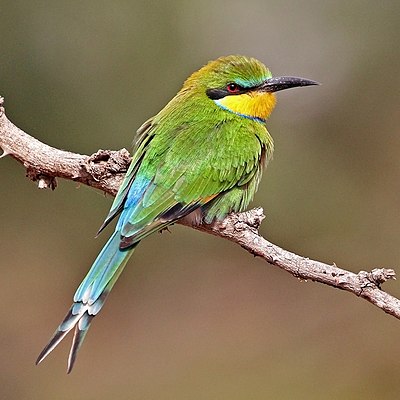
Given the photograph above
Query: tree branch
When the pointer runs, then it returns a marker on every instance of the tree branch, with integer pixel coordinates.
(105, 170)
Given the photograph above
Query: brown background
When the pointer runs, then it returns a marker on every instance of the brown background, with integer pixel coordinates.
(195, 317)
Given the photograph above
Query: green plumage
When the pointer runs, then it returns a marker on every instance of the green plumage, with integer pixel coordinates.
(196, 157)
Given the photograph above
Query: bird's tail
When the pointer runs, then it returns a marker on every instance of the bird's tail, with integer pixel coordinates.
(90, 297)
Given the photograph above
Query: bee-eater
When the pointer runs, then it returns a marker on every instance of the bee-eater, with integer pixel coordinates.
(201, 157)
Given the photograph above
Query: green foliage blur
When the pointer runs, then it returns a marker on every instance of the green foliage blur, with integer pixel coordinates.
(193, 316)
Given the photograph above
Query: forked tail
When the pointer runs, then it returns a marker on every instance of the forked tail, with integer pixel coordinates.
(90, 297)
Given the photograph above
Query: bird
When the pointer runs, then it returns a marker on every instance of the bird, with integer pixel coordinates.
(200, 158)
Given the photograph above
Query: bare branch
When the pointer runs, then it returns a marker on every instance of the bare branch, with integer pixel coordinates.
(105, 169)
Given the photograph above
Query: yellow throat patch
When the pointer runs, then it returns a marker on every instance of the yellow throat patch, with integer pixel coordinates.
(252, 104)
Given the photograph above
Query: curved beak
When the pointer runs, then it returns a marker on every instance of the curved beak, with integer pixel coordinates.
(285, 82)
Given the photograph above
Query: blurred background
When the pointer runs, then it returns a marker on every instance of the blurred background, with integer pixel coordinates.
(196, 317)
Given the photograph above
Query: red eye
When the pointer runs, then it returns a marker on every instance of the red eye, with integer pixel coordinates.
(233, 88)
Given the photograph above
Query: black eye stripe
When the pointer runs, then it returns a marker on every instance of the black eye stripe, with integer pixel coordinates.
(218, 93)
(215, 94)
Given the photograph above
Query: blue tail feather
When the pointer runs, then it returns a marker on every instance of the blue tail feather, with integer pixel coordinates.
(90, 297)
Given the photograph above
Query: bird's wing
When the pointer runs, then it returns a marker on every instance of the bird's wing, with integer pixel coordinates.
(141, 141)
(178, 170)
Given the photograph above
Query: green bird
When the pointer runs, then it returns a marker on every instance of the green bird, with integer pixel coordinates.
(200, 158)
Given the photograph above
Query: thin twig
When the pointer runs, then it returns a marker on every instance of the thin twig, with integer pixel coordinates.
(105, 169)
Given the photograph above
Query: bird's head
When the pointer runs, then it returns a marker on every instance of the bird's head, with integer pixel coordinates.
(241, 85)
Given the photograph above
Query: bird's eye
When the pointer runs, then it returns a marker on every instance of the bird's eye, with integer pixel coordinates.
(233, 88)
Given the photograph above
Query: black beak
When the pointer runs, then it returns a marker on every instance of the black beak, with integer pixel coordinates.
(285, 82)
